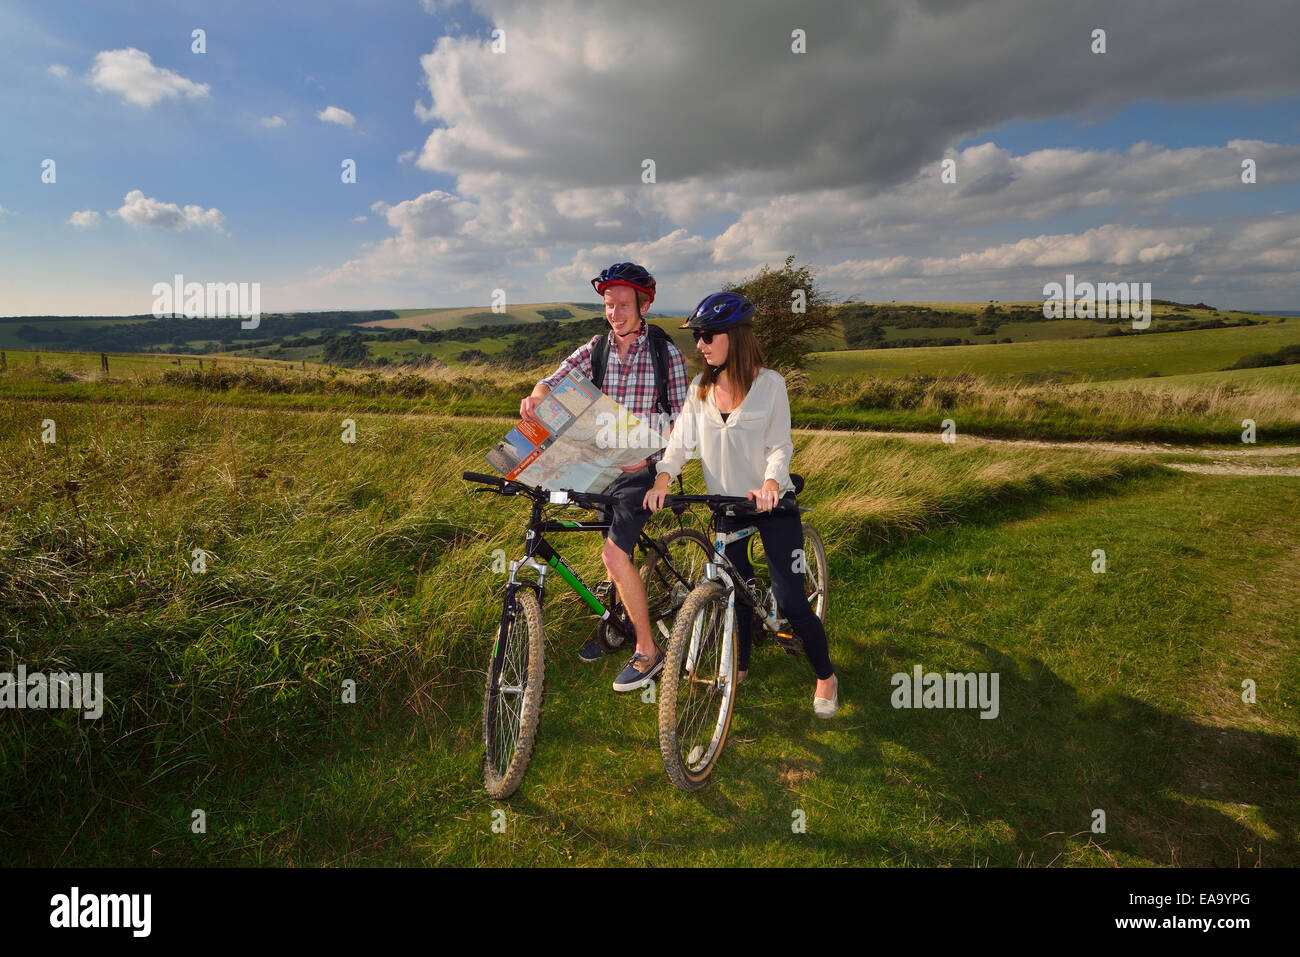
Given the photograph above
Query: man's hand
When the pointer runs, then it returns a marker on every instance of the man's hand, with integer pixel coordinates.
(635, 467)
(529, 403)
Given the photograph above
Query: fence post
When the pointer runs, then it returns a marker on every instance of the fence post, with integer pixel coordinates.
(103, 362)
(4, 362)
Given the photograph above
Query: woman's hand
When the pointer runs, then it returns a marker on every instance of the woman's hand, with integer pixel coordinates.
(654, 498)
(765, 498)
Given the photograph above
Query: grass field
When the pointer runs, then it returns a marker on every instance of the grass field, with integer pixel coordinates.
(1118, 357)
(1209, 411)
(329, 561)
(1284, 377)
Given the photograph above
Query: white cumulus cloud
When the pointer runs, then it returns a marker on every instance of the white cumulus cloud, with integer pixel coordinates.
(141, 210)
(273, 122)
(58, 69)
(335, 114)
(132, 74)
(84, 218)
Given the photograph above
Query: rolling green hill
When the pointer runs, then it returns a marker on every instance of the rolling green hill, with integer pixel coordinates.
(1117, 357)
(474, 317)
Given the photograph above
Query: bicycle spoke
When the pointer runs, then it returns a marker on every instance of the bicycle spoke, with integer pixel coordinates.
(701, 689)
(511, 685)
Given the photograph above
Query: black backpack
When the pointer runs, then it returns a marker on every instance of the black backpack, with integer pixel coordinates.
(659, 341)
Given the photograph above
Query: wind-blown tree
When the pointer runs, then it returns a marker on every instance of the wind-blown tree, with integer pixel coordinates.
(784, 333)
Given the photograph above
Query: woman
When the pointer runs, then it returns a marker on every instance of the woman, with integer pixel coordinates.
(739, 415)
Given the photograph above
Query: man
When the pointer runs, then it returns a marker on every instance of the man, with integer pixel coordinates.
(629, 375)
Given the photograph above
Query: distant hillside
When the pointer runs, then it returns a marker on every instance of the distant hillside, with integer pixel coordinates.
(526, 335)
(477, 317)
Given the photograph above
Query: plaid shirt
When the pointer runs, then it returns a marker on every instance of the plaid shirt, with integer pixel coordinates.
(630, 381)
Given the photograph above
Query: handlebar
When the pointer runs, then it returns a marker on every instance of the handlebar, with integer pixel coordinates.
(507, 487)
(739, 505)
(484, 479)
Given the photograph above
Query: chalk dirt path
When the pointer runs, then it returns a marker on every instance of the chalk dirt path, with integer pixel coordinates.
(1245, 461)
(1222, 461)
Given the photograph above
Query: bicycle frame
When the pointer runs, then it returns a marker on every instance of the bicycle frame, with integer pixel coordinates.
(537, 547)
(724, 571)
(542, 557)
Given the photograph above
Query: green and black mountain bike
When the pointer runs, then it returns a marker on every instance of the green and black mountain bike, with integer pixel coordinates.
(672, 565)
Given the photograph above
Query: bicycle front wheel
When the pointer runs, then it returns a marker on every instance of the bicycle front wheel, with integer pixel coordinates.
(698, 687)
(512, 701)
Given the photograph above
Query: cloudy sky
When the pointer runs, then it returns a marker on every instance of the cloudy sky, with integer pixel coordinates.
(505, 145)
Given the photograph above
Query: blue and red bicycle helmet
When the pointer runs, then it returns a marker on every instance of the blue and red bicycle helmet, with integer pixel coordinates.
(625, 274)
(721, 311)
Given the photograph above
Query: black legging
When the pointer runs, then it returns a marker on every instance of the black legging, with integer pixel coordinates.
(781, 535)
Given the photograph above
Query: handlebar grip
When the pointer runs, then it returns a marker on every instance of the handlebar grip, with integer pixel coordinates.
(496, 480)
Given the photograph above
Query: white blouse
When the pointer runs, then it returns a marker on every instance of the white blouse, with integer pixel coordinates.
(737, 455)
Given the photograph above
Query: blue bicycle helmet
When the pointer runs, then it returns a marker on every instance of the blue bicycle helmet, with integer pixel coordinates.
(721, 311)
(626, 274)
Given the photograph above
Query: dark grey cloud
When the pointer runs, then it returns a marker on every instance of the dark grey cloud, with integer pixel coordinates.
(586, 90)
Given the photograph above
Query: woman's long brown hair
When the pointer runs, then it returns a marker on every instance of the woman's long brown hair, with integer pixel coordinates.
(744, 360)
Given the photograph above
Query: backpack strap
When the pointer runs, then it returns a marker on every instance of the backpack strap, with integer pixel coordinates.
(659, 341)
(659, 345)
(599, 359)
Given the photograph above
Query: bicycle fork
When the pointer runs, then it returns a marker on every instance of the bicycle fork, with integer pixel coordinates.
(714, 572)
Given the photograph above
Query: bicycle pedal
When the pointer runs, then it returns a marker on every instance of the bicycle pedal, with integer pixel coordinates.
(602, 590)
(792, 644)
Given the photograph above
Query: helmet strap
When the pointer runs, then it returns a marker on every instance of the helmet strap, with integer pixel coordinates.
(640, 315)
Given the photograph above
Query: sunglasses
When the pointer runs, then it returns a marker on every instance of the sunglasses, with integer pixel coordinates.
(707, 337)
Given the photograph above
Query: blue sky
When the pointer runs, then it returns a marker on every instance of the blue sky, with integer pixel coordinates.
(521, 169)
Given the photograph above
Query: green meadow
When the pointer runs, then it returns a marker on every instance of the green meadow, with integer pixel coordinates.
(1110, 357)
(329, 562)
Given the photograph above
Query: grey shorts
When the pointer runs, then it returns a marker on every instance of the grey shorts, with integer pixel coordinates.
(627, 518)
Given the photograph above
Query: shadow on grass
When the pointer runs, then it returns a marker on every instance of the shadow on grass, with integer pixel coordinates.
(1174, 791)
(1033, 498)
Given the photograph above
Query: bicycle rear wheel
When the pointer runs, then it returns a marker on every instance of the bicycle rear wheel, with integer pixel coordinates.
(668, 582)
(816, 578)
(697, 687)
(512, 700)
